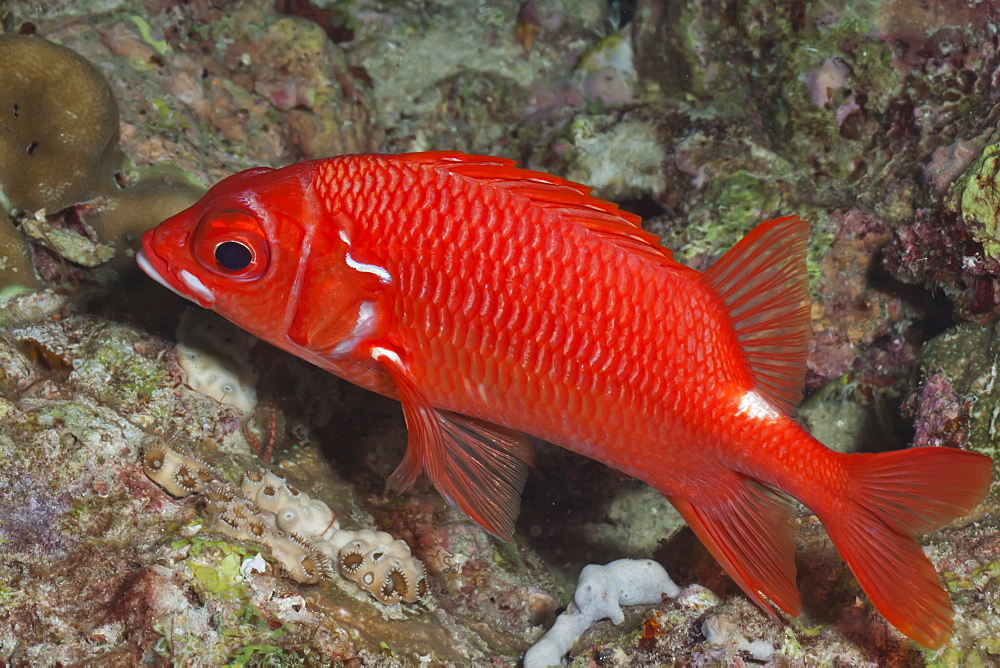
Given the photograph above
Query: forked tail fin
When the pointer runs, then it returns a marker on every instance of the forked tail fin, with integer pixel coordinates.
(893, 497)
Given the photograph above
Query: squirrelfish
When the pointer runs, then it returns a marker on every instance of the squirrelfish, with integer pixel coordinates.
(494, 301)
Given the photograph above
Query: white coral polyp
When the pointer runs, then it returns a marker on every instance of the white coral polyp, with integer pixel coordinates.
(302, 533)
(216, 377)
(178, 473)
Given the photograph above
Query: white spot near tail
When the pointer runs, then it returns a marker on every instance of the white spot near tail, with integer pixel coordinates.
(379, 353)
(757, 407)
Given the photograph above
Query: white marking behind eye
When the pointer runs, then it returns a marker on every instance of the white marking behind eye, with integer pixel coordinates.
(382, 274)
(196, 286)
(365, 325)
(757, 407)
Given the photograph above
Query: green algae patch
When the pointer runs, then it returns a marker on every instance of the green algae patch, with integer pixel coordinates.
(976, 196)
(134, 379)
(953, 658)
(219, 571)
(223, 579)
(245, 634)
(742, 199)
(146, 31)
(263, 655)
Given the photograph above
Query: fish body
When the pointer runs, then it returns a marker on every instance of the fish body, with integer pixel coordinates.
(494, 301)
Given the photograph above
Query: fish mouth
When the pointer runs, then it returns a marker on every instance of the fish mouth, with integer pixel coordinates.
(188, 287)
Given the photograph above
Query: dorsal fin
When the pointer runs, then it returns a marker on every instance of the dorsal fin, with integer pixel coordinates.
(763, 282)
(556, 194)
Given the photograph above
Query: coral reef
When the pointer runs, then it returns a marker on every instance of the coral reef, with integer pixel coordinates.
(15, 258)
(294, 511)
(724, 630)
(958, 400)
(61, 161)
(636, 168)
(178, 473)
(874, 120)
(59, 135)
(976, 199)
(381, 565)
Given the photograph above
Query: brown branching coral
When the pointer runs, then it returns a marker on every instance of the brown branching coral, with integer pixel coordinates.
(58, 126)
(15, 260)
(59, 149)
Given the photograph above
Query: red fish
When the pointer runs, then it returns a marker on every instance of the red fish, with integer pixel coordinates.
(492, 300)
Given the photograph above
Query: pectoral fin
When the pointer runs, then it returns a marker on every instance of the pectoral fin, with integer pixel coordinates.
(477, 466)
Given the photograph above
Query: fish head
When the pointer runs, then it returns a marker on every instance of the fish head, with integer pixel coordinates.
(236, 250)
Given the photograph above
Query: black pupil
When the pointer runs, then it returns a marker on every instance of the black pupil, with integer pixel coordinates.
(232, 255)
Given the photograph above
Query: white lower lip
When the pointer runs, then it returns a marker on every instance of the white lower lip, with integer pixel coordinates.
(147, 267)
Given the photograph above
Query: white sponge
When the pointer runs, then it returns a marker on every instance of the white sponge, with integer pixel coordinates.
(600, 593)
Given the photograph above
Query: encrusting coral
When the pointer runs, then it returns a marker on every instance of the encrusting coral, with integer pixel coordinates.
(214, 356)
(302, 533)
(178, 473)
(121, 216)
(230, 513)
(294, 512)
(382, 565)
(59, 150)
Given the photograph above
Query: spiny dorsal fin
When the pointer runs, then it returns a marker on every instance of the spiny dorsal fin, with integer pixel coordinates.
(763, 282)
(556, 194)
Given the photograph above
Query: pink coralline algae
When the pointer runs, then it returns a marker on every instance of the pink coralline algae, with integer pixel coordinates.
(831, 76)
(851, 313)
(937, 249)
(948, 162)
(939, 414)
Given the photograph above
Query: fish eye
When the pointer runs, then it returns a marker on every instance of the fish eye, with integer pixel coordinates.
(232, 244)
(233, 255)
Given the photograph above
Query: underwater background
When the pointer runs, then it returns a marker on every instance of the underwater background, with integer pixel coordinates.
(874, 120)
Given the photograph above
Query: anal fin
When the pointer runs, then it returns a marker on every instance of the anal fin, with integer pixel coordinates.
(478, 467)
(747, 528)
